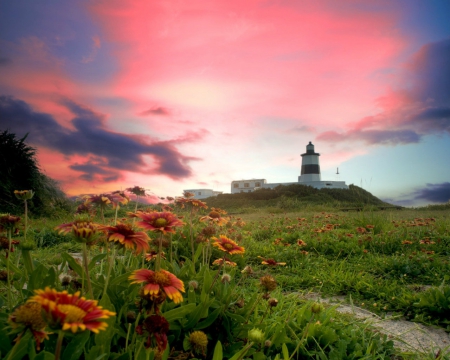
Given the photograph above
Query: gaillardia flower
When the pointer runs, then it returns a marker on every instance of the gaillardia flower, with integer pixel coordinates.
(229, 246)
(24, 194)
(29, 317)
(70, 311)
(215, 216)
(83, 231)
(125, 236)
(163, 222)
(156, 281)
(270, 262)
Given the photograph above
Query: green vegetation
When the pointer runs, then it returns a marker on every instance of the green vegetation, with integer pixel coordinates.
(19, 170)
(255, 306)
(296, 197)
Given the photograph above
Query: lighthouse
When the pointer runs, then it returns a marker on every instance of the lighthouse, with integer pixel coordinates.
(310, 165)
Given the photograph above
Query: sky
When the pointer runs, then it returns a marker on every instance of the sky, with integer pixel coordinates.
(174, 95)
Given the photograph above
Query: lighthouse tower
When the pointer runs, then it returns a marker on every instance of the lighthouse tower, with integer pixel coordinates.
(310, 165)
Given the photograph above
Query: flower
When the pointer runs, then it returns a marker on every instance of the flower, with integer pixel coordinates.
(83, 231)
(271, 262)
(156, 281)
(70, 311)
(152, 255)
(136, 190)
(157, 327)
(8, 222)
(268, 283)
(125, 236)
(4, 244)
(227, 245)
(182, 201)
(100, 200)
(220, 261)
(29, 317)
(215, 217)
(117, 197)
(24, 194)
(226, 278)
(163, 222)
(198, 342)
(407, 242)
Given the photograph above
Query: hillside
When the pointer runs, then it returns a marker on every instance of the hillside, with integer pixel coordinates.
(290, 197)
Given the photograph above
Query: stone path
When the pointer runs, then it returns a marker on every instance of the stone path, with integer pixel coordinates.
(408, 336)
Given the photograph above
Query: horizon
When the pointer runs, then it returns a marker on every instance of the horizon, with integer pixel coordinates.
(173, 96)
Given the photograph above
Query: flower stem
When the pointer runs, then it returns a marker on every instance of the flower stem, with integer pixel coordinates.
(86, 269)
(110, 265)
(8, 275)
(59, 344)
(158, 259)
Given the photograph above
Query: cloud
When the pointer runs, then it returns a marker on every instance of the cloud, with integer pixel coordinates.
(437, 193)
(5, 61)
(96, 44)
(90, 138)
(158, 110)
(419, 108)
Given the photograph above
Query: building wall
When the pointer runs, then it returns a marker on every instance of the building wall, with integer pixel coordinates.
(239, 186)
(203, 193)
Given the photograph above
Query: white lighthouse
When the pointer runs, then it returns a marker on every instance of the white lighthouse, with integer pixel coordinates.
(309, 176)
(310, 165)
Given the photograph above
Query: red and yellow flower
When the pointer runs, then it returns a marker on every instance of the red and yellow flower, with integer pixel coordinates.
(271, 262)
(124, 235)
(215, 216)
(156, 281)
(83, 231)
(227, 245)
(71, 312)
(29, 317)
(220, 261)
(163, 222)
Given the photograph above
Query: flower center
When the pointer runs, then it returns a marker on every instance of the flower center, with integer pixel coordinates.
(228, 246)
(160, 222)
(74, 314)
(162, 279)
(30, 315)
(214, 214)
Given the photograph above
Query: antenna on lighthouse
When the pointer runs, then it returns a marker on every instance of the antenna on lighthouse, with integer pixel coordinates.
(337, 171)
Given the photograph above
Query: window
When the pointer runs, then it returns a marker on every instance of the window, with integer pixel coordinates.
(328, 184)
(235, 185)
(258, 184)
(246, 185)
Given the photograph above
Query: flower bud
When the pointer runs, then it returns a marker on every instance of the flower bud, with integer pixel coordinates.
(256, 335)
(316, 308)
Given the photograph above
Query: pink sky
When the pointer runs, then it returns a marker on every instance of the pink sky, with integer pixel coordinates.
(198, 94)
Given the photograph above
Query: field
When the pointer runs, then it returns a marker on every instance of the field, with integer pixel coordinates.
(213, 285)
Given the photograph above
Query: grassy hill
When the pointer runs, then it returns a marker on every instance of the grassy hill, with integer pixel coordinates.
(296, 196)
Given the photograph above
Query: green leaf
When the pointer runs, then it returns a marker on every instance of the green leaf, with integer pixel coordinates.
(72, 263)
(120, 279)
(240, 354)
(104, 338)
(95, 353)
(209, 320)
(259, 356)
(50, 280)
(179, 313)
(20, 348)
(285, 351)
(36, 278)
(75, 348)
(94, 260)
(44, 355)
(218, 353)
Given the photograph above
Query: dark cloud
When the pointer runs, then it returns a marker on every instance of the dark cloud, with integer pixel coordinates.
(119, 151)
(429, 72)
(157, 110)
(437, 193)
(95, 169)
(385, 137)
(423, 108)
(5, 61)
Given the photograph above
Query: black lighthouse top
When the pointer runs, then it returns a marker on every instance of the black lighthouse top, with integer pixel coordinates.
(310, 150)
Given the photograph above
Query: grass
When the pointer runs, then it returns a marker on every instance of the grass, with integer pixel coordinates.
(388, 262)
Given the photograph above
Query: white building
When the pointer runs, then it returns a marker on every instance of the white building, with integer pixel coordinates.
(203, 193)
(309, 175)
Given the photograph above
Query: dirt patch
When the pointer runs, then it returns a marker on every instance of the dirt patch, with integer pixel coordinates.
(408, 336)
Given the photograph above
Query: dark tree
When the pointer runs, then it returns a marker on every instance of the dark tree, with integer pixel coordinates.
(19, 170)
